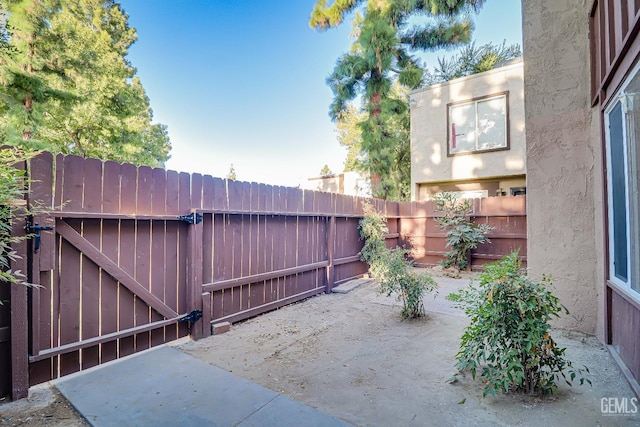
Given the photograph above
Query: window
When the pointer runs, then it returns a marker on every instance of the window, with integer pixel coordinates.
(622, 125)
(481, 124)
(518, 191)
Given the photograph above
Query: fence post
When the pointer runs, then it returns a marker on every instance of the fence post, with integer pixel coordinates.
(194, 273)
(331, 236)
(19, 314)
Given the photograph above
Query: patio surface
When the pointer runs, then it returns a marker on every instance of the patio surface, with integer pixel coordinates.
(165, 387)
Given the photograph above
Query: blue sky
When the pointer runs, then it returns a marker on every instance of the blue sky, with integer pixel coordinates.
(243, 82)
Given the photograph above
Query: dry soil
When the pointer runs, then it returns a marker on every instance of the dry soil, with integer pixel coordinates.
(353, 357)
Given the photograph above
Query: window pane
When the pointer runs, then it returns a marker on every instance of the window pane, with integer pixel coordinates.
(618, 184)
(633, 153)
(492, 123)
(463, 127)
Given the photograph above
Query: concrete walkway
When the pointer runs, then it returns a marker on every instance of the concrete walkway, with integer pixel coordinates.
(165, 387)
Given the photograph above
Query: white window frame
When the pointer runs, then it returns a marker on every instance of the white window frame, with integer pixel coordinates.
(631, 285)
(451, 136)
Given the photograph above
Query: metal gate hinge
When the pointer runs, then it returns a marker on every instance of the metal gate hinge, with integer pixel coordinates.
(192, 317)
(36, 229)
(192, 218)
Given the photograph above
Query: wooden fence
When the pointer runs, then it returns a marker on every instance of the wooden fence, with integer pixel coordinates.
(135, 255)
(507, 215)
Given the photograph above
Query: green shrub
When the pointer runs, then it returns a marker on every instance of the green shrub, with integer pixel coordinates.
(391, 268)
(508, 340)
(462, 234)
(13, 184)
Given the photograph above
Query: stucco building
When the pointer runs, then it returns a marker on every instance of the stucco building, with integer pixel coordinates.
(581, 86)
(350, 183)
(468, 135)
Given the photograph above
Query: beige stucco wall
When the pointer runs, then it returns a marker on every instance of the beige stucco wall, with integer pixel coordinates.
(564, 183)
(429, 161)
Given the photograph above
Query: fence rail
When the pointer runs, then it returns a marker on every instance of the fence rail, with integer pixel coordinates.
(134, 249)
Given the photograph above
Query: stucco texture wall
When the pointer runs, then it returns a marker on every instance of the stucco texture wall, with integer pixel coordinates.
(564, 184)
(429, 161)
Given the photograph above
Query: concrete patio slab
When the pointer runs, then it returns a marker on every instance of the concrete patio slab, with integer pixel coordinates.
(166, 387)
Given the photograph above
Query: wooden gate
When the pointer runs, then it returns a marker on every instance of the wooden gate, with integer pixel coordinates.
(110, 274)
(124, 258)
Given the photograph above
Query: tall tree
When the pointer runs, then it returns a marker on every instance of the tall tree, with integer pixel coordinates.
(89, 100)
(382, 56)
(472, 59)
(24, 68)
(349, 134)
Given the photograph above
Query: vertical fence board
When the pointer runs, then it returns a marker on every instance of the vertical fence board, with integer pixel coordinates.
(207, 192)
(43, 370)
(159, 260)
(143, 254)
(220, 200)
(194, 257)
(69, 297)
(171, 279)
(90, 288)
(184, 206)
(19, 329)
(126, 257)
(41, 192)
(207, 248)
(70, 280)
(110, 243)
(41, 170)
(234, 191)
(271, 286)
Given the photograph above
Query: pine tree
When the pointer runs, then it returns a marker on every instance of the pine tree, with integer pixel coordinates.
(83, 95)
(472, 59)
(24, 67)
(380, 56)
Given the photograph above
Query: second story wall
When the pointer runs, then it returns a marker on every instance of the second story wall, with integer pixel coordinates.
(469, 128)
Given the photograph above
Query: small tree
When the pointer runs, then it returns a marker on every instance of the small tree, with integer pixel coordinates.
(391, 268)
(462, 234)
(325, 171)
(231, 175)
(508, 340)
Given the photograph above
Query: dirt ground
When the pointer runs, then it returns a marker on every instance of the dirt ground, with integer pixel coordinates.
(44, 407)
(351, 356)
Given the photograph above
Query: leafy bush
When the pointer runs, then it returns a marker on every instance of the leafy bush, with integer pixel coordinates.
(391, 268)
(462, 234)
(12, 189)
(372, 228)
(508, 338)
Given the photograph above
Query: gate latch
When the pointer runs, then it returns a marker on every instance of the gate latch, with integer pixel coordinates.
(192, 317)
(36, 229)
